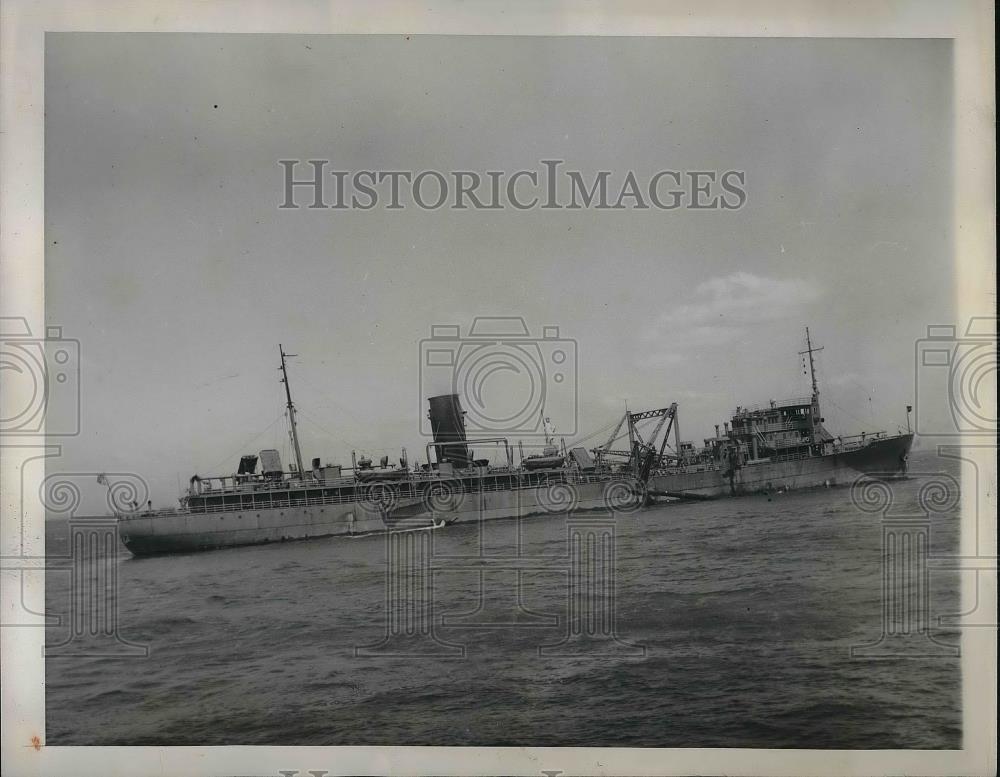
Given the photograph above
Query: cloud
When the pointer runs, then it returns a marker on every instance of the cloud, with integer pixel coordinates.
(723, 309)
(743, 298)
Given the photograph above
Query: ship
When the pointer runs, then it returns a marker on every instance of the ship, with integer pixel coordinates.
(778, 446)
(262, 502)
(769, 448)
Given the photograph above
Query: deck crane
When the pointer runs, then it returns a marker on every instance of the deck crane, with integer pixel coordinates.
(643, 454)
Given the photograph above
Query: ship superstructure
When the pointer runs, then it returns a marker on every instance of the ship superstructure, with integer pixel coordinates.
(774, 446)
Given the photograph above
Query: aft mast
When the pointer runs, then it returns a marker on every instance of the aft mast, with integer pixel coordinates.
(291, 410)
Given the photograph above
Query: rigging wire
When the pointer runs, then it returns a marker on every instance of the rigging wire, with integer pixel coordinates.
(872, 426)
(602, 430)
(309, 417)
(244, 446)
(328, 401)
(869, 394)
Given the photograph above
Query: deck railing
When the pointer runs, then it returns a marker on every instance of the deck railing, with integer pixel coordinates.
(469, 485)
(855, 441)
(793, 402)
(780, 426)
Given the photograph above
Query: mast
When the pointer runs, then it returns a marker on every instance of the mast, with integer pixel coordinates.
(291, 410)
(815, 389)
(812, 367)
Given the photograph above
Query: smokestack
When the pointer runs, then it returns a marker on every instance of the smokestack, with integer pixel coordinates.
(448, 426)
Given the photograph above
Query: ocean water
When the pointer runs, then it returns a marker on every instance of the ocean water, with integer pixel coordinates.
(733, 625)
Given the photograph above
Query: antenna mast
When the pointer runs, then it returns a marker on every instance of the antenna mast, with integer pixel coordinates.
(812, 367)
(291, 410)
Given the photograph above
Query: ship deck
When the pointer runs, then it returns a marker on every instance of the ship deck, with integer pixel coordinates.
(349, 490)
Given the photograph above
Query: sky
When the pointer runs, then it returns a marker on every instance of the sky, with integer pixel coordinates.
(168, 257)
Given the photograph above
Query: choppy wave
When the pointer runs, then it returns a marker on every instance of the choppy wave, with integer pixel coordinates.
(746, 611)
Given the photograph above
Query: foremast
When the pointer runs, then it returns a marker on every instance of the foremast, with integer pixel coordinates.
(291, 410)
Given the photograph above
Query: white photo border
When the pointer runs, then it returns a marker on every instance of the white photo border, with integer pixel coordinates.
(23, 25)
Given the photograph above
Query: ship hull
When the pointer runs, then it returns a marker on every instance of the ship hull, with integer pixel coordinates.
(886, 457)
(615, 494)
(185, 532)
